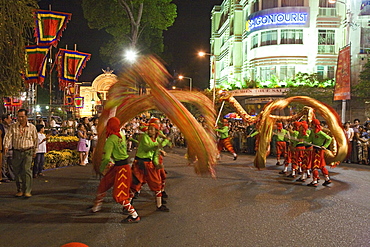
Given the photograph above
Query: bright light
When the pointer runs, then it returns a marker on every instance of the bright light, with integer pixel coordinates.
(131, 56)
(332, 1)
(181, 77)
(201, 54)
(47, 107)
(59, 109)
(38, 108)
(173, 87)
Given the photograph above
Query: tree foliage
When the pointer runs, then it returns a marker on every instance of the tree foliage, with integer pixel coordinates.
(362, 89)
(133, 23)
(16, 27)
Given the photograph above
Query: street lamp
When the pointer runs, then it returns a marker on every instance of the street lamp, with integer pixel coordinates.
(190, 80)
(131, 55)
(213, 68)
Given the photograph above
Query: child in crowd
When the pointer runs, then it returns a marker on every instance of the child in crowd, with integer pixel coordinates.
(39, 161)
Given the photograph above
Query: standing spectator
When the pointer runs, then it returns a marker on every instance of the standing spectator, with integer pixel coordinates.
(348, 131)
(85, 121)
(94, 135)
(7, 170)
(53, 126)
(362, 143)
(23, 137)
(39, 161)
(355, 147)
(82, 146)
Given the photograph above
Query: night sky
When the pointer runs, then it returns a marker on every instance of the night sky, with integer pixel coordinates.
(189, 34)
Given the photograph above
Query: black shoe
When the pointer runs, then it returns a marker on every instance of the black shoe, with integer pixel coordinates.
(312, 184)
(291, 176)
(130, 219)
(235, 157)
(326, 183)
(282, 172)
(163, 208)
(278, 164)
(164, 194)
(300, 180)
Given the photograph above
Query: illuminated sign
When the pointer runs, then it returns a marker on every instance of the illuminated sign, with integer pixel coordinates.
(278, 18)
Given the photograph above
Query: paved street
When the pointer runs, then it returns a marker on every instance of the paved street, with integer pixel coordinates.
(242, 207)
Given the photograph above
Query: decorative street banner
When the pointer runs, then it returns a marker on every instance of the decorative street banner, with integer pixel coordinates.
(68, 100)
(70, 65)
(342, 90)
(49, 26)
(36, 64)
(79, 102)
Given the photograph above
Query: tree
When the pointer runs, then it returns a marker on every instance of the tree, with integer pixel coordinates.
(135, 23)
(16, 27)
(362, 89)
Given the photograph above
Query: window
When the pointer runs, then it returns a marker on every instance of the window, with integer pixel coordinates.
(254, 41)
(269, 38)
(326, 41)
(326, 4)
(287, 72)
(288, 3)
(291, 36)
(255, 6)
(327, 9)
(320, 72)
(269, 4)
(331, 72)
(267, 72)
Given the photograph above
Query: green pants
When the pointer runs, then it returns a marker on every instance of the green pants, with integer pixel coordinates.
(22, 165)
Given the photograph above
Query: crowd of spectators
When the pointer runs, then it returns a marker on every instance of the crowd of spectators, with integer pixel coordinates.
(240, 134)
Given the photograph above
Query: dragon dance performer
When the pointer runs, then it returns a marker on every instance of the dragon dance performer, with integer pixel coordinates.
(158, 156)
(281, 147)
(144, 168)
(304, 135)
(224, 139)
(321, 142)
(118, 176)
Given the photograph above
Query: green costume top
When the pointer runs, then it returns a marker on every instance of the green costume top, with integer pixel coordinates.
(306, 138)
(224, 132)
(281, 135)
(320, 139)
(294, 135)
(146, 147)
(115, 149)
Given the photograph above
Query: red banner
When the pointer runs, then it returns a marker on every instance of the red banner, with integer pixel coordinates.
(36, 63)
(49, 26)
(342, 89)
(69, 66)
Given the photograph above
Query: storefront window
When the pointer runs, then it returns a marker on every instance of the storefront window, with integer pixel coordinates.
(287, 72)
(267, 72)
(269, 38)
(291, 36)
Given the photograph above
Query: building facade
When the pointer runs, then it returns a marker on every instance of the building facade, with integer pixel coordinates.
(259, 42)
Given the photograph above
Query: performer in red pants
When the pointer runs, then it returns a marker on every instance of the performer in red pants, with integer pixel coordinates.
(321, 142)
(224, 139)
(118, 176)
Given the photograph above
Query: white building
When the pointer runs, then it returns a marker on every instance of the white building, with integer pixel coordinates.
(268, 41)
